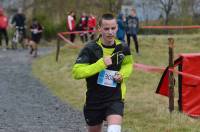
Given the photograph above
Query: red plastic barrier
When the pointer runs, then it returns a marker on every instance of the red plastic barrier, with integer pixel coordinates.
(189, 86)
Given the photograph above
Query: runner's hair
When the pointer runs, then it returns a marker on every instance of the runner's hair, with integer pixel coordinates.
(106, 16)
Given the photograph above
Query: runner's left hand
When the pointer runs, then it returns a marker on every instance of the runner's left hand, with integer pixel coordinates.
(118, 78)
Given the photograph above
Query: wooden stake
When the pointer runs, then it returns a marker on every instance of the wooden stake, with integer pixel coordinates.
(171, 75)
(58, 49)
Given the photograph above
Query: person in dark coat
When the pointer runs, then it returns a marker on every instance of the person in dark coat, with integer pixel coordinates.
(132, 29)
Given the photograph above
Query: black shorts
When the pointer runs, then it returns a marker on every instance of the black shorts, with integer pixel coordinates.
(97, 116)
(36, 38)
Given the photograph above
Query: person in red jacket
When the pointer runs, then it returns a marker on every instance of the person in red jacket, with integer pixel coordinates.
(92, 25)
(71, 25)
(83, 26)
(3, 27)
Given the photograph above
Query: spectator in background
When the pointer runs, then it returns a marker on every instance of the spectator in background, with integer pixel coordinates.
(19, 20)
(71, 25)
(3, 27)
(132, 29)
(121, 21)
(92, 22)
(36, 34)
(83, 25)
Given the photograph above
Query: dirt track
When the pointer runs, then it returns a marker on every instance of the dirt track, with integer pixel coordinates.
(26, 105)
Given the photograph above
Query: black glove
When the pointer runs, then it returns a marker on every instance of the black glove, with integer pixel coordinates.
(117, 58)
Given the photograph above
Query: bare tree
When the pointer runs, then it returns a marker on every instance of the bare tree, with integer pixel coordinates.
(147, 7)
(113, 5)
(187, 9)
(194, 10)
(144, 6)
(118, 4)
(166, 7)
(194, 6)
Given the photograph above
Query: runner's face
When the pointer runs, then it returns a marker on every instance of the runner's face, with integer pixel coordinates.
(108, 30)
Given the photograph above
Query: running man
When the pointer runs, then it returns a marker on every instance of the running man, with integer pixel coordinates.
(106, 64)
(36, 34)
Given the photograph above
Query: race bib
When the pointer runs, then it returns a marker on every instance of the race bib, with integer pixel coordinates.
(105, 78)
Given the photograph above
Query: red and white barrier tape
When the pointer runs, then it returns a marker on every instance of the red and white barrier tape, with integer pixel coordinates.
(146, 68)
(138, 66)
(72, 45)
(78, 32)
(171, 27)
(142, 27)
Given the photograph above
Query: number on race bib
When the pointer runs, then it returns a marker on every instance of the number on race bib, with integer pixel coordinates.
(105, 78)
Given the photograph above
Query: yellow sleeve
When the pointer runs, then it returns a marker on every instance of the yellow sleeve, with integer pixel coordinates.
(84, 70)
(127, 67)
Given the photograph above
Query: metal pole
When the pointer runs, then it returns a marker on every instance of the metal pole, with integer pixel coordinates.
(171, 75)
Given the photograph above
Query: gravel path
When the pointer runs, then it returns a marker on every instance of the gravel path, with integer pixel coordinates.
(26, 105)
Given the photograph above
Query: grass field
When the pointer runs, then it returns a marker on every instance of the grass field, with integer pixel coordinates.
(145, 111)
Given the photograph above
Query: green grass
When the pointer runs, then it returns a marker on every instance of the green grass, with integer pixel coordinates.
(145, 111)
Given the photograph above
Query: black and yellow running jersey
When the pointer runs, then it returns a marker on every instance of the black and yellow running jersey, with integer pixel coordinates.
(90, 63)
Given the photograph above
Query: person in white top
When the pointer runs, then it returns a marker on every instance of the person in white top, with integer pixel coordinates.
(71, 25)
